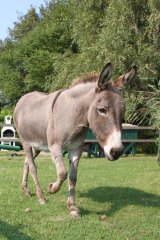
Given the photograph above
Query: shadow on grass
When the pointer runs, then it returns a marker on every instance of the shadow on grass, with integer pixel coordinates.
(11, 232)
(120, 197)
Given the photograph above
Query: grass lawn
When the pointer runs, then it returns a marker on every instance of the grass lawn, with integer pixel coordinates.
(118, 200)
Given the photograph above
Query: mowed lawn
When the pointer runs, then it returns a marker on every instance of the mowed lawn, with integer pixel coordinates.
(118, 200)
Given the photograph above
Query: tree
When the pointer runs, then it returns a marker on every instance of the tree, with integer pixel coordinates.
(11, 73)
(25, 24)
(87, 21)
(68, 38)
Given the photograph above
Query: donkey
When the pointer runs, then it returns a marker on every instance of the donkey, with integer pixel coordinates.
(60, 120)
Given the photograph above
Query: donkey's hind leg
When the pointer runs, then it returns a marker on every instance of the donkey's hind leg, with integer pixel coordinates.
(26, 172)
(30, 166)
(25, 178)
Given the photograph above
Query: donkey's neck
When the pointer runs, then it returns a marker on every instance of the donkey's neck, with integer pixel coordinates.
(82, 96)
(81, 90)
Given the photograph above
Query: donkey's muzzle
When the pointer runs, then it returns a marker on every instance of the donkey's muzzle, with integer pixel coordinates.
(115, 153)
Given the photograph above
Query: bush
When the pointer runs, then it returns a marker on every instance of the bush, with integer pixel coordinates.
(4, 112)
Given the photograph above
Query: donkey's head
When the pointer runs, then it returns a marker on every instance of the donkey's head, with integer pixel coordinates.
(105, 114)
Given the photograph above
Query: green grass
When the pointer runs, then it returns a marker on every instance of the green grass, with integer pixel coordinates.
(127, 192)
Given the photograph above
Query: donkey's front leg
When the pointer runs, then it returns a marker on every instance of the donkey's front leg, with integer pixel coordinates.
(57, 158)
(72, 179)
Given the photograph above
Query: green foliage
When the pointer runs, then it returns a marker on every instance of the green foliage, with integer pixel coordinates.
(4, 112)
(135, 109)
(3, 101)
(39, 67)
(24, 25)
(45, 51)
(87, 21)
(153, 107)
(153, 104)
(12, 73)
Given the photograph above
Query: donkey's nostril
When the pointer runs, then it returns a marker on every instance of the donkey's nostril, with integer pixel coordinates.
(116, 152)
(113, 151)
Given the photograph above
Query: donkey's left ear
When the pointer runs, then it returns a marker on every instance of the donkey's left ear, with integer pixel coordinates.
(126, 78)
(105, 76)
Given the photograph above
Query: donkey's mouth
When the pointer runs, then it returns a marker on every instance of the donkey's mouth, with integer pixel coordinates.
(113, 154)
(110, 157)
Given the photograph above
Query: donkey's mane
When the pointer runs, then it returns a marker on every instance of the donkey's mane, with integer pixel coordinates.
(92, 77)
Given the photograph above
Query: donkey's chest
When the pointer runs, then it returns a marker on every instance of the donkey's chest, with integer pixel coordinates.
(75, 140)
(73, 144)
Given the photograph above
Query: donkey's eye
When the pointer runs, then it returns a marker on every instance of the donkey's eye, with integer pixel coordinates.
(102, 111)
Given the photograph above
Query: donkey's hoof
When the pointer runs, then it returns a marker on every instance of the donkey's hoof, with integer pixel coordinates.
(74, 212)
(42, 201)
(53, 188)
(26, 192)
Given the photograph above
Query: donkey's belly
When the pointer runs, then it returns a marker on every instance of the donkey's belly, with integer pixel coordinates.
(39, 146)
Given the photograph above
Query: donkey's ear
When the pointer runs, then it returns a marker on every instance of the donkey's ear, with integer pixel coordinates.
(126, 78)
(105, 76)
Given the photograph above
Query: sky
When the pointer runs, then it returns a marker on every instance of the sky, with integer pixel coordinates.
(9, 10)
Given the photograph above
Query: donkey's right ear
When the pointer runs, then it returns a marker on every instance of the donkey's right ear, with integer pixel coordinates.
(126, 78)
(105, 76)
